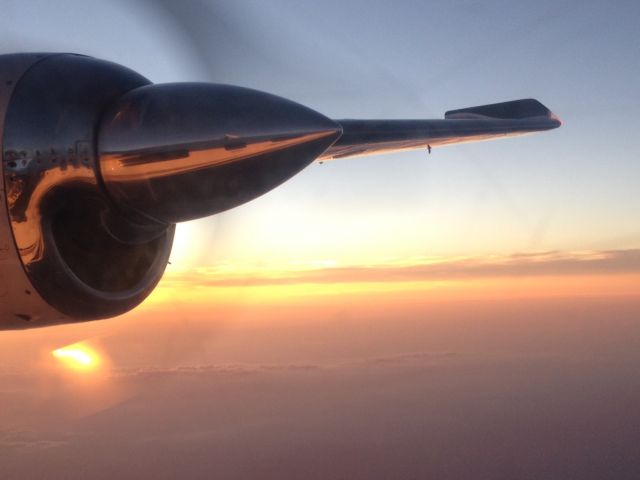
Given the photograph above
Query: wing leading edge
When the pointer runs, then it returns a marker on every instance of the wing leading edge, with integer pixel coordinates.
(485, 122)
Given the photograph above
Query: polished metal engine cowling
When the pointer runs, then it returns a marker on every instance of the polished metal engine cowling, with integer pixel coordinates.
(60, 261)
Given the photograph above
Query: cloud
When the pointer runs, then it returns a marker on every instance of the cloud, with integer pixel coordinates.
(241, 370)
(14, 439)
(409, 357)
(223, 370)
(553, 263)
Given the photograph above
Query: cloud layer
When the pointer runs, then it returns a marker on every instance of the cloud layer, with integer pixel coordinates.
(607, 262)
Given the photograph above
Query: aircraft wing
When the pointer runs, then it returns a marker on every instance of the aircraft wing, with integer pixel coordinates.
(507, 119)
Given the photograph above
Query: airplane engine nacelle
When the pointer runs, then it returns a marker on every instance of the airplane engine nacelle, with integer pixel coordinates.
(60, 261)
(98, 165)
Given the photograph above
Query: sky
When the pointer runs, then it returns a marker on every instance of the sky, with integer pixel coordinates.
(468, 312)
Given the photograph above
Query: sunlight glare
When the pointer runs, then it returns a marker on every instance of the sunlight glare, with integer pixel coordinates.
(79, 357)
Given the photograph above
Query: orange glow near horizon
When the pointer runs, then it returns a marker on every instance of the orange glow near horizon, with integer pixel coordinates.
(547, 287)
(546, 274)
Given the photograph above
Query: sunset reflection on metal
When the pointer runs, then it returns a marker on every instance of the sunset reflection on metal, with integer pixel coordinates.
(79, 357)
(181, 151)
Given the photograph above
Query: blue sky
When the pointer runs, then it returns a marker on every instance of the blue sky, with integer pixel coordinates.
(571, 189)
